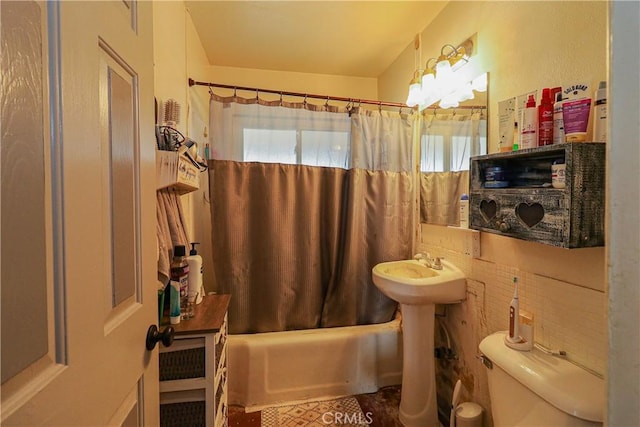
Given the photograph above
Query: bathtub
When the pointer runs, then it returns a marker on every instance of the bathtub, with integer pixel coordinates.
(273, 368)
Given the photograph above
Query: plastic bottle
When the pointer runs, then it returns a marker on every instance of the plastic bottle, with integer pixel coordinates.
(195, 276)
(558, 170)
(516, 137)
(558, 120)
(600, 114)
(179, 285)
(529, 127)
(545, 119)
(464, 211)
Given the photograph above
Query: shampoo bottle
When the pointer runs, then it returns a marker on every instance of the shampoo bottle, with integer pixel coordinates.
(600, 114)
(529, 125)
(179, 285)
(514, 315)
(545, 119)
(464, 211)
(195, 275)
(558, 120)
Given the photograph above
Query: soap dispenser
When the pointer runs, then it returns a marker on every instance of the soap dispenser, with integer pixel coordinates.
(196, 287)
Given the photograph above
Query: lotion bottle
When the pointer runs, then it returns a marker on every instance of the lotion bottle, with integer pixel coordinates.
(558, 120)
(178, 285)
(464, 211)
(545, 119)
(600, 114)
(529, 126)
(195, 275)
(514, 316)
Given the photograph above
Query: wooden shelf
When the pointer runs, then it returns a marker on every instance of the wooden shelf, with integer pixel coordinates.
(195, 367)
(529, 208)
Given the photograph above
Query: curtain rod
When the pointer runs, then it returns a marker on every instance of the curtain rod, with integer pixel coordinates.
(310, 95)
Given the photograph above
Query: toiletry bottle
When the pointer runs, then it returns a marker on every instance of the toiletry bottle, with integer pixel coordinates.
(545, 119)
(179, 280)
(558, 169)
(529, 127)
(464, 211)
(516, 136)
(206, 151)
(600, 114)
(558, 121)
(195, 276)
(514, 314)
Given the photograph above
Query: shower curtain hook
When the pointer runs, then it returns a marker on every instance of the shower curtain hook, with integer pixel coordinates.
(281, 99)
(235, 92)
(380, 107)
(257, 96)
(326, 104)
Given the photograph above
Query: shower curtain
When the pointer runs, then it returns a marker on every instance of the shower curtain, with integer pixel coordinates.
(446, 144)
(293, 243)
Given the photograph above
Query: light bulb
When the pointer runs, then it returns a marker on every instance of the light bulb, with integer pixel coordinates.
(415, 94)
(444, 75)
(429, 87)
(464, 93)
(449, 101)
(479, 84)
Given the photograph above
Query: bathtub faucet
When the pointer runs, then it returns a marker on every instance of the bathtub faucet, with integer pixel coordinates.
(426, 260)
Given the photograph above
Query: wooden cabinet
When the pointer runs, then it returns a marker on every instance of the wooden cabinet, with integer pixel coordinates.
(524, 205)
(193, 370)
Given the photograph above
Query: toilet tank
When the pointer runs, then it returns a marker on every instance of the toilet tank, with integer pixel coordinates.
(532, 388)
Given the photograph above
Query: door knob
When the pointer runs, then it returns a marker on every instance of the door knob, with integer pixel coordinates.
(154, 335)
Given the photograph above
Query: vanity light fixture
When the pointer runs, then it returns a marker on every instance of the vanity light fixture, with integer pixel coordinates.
(441, 82)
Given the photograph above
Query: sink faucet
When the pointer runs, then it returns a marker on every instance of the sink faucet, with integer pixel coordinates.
(426, 260)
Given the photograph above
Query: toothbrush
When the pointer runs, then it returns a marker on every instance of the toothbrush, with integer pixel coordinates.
(514, 313)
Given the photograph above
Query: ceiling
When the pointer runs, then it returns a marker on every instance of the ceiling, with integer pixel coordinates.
(348, 38)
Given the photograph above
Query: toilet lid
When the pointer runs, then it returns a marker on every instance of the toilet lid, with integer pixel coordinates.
(556, 380)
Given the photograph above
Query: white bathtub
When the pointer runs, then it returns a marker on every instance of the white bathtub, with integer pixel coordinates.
(280, 367)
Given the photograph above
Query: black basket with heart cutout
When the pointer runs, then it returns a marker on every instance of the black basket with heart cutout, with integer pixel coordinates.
(529, 208)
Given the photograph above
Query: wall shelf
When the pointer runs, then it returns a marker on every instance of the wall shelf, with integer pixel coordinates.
(529, 208)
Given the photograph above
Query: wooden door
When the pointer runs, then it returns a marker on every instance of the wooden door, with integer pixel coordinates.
(73, 335)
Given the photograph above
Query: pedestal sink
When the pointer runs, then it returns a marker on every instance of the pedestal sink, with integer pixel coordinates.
(418, 288)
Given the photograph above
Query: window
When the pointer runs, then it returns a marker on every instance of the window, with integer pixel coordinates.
(448, 145)
(292, 136)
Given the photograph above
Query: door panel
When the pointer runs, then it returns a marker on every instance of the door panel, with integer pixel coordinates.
(24, 158)
(101, 372)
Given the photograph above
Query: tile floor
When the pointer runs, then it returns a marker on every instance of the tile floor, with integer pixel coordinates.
(383, 406)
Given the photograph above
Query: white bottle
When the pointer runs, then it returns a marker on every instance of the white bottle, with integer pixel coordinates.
(558, 120)
(529, 127)
(196, 288)
(464, 211)
(600, 114)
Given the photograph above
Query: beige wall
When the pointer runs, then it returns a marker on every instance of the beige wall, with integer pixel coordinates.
(523, 46)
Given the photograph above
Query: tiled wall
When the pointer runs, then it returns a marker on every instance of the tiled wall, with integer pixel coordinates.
(564, 289)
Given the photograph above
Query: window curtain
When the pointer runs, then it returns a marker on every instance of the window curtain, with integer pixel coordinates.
(294, 243)
(446, 144)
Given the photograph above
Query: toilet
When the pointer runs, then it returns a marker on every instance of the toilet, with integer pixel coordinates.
(533, 388)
